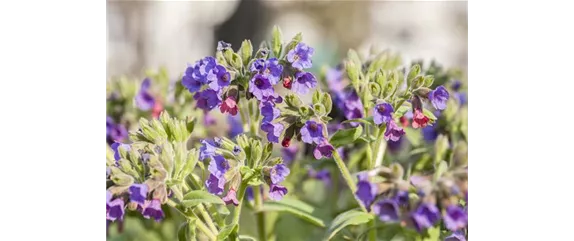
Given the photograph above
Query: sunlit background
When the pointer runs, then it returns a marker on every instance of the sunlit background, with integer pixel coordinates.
(143, 34)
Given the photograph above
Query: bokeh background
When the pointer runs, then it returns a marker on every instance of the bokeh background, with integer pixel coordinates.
(149, 34)
(153, 34)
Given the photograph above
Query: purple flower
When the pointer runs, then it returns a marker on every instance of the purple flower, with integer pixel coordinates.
(152, 209)
(208, 120)
(207, 99)
(334, 77)
(425, 216)
(393, 132)
(215, 184)
(221, 45)
(257, 66)
(351, 105)
(219, 78)
(438, 97)
(261, 87)
(383, 113)
(268, 111)
(455, 218)
(312, 132)
(115, 147)
(144, 100)
(273, 130)
(117, 133)
(395, 146)
(138, 193)
(236, 127)
(109, 125)
(116, 210)
(231, 197)
(461, 97)
(387, 210)
(304, 81)
(249, 193)
(289, 153)
(429, 133)
(323, 175)
(207, 150)
(278, 173)
(456, 236)
(300, 56)
(456, 85)
(196, 75)
(366, 191)
(273, 70)
(218, 166)
(324, 149)
(402, 197)
(276, 192)
(108, 199)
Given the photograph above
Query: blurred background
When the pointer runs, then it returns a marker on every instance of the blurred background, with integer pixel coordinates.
(148, 34)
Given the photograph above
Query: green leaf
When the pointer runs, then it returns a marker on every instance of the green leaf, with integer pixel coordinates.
(401, 111)
(415, 70)
(276, 44)
(295, 207)
(441, 169)
(429, 114)
(195, 197)
(225, 232)
(413, 135)
(366, 121)
(346, 136)
(351, 217)
(440, 148)
(327, 102)
(246, 238)
(246, 51)
(186, 230)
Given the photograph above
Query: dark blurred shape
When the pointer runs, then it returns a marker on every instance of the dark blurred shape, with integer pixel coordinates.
(249, 21)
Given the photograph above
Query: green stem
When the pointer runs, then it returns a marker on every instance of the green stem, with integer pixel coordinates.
(260, 215)
(380, 147)
(207, 218)
(347, 176)
(237, 210)
(372, 230)
(200, 225)
(204, 229)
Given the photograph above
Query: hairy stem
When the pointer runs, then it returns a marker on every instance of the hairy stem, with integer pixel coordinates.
(260, 215)
(204, 229)
(347, 176)
(207, 218)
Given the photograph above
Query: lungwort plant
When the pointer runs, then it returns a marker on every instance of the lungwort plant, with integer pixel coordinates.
(379, 155)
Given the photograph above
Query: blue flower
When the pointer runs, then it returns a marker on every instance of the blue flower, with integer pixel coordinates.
(219, 78)
(300, 56)
(207, 99)
(323, 149)
(438, 97)
(382, 113)
(393, 132)
(304, 81)
(235, 126)
(196, 75)
(273, 131)
(312, 132)
(261, 87)
(273, 70)
(366, 191)
(387, 210)
(455, 218)
(268, 111)
(218, 166)
(207, 149)
(278, 173)
(425, 216)
(152, 209)
(215, 184)
(276, 192)
(116, 210)
(144, 100)
(138, 193)
(115, 147)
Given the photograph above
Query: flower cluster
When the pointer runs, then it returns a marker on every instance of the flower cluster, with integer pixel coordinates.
(392, 203)
(314, 133)
(207, 80)
(115, 132)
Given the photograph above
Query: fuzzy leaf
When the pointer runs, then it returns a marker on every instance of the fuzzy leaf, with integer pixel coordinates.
(195, 197)
(246, 51)
(276, 44)
(295, 207)
(351, 217)
(346, 136)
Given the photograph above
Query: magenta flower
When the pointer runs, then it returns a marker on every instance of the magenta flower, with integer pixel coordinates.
(419, 119)
(229, 105)
(393, 132)
(231, 197)
(324, 149)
